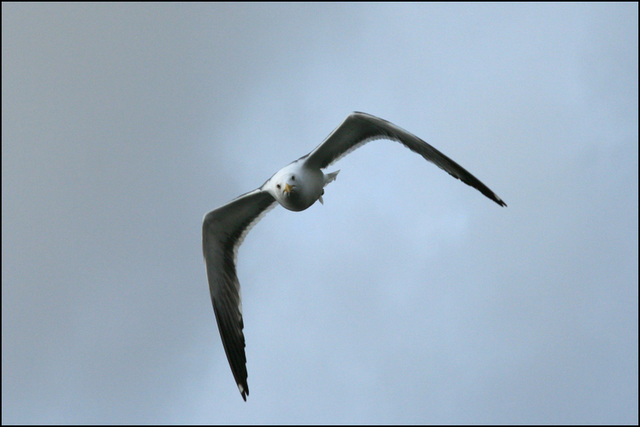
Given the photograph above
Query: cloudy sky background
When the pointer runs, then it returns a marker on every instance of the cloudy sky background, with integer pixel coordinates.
(407, 298)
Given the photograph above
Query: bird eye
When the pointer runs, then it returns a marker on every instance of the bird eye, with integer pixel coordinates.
(293, 177)
(278, 186)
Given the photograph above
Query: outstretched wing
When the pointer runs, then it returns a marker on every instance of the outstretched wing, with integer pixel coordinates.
(223, 230)
(360, 128)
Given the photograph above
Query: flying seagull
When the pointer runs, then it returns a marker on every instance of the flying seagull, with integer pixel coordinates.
(296, 187)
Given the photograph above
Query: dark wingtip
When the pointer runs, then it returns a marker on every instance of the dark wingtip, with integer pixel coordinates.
(244, 391)
(491, 195)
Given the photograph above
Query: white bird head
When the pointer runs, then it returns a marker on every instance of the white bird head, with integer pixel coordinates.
(287, 188)
(295, 186)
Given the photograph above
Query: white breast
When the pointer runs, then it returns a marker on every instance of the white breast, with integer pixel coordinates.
(296, 187)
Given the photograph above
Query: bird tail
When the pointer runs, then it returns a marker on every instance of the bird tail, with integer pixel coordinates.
(330, 177)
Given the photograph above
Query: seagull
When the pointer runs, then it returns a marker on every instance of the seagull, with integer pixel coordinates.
(295, 187)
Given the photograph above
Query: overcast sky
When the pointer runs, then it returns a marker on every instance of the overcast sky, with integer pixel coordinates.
(407, 298)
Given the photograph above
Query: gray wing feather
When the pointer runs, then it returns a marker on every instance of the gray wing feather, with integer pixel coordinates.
(360, 128)
(223, 230)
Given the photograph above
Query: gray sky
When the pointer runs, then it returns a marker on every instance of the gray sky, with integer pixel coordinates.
(407, 298)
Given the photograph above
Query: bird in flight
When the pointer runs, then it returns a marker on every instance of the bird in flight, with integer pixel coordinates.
(296, 187)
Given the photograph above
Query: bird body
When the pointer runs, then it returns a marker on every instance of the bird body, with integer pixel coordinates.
(297, 185)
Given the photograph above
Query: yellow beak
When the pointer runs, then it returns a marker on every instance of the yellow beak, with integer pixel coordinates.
(287, 188)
